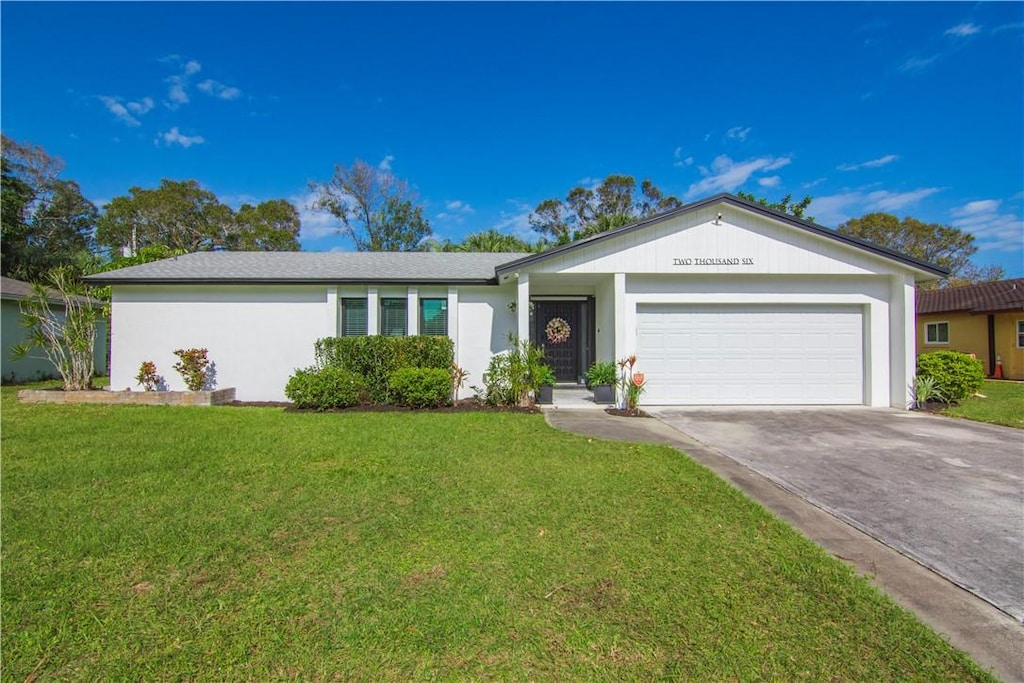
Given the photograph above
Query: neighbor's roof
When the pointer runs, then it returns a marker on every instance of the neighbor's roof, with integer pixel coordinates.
(743, 204)
(246, 267)
(986, 297)
(17, 290)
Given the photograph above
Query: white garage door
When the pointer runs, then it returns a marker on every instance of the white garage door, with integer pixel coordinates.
(727, 354)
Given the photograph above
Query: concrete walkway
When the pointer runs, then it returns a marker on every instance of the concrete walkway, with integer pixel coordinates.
(971, 624)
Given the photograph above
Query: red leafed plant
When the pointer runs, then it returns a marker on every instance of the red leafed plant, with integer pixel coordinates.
(148, 377)
(193, 367)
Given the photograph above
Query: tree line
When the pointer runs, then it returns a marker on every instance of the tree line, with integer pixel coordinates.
(47, 222)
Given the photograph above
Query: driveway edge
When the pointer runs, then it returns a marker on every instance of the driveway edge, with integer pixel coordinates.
(990, 636)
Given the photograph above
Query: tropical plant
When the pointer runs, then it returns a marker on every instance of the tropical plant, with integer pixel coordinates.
(925, 390)
(545, 376)
(601, 372)
(513, 376)
(61, 323)
(148, 377)
(631, 384)
(459, 376)
(194, 367)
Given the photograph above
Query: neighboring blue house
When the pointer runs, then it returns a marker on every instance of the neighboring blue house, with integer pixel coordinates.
(32, 367)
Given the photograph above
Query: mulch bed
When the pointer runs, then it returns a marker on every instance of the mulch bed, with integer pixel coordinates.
(466, 405)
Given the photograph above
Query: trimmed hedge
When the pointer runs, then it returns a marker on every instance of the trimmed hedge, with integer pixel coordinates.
(956, 375)
(324, 388)
(421, 387)
(376, 358)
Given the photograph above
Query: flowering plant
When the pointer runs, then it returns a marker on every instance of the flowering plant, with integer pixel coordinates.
(631, 384)
(557, 331)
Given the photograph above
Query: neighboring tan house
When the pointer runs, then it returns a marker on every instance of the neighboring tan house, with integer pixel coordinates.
(723, 301)
(32, 367)
(986, 319)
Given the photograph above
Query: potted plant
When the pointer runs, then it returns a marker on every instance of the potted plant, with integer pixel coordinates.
(545, 378)
(601, 377)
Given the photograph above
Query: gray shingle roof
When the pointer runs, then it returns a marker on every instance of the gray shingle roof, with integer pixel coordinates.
(18, 290)
(299, 267)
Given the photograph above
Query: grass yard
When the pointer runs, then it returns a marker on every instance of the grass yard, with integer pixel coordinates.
(249, 543)
(1003, 405)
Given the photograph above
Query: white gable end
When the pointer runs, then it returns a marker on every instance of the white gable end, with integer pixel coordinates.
(741, 242)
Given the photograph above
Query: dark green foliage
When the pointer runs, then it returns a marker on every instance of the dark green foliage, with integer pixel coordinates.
(375, 358)
(956, 375)
(784, 205)
(324, 388)
(602, 372)
(421, 387)
(514, 377)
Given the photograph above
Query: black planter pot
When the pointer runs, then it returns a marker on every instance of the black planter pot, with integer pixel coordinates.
(546, 395)
(603, 393)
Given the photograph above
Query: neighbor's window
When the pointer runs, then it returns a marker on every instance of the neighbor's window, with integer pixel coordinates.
(353, 317)
(936, 333)
(434, 317)
(394, 317)
(1020, 334)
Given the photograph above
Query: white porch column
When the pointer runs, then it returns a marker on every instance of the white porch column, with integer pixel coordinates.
(332, 312)
(902, 340)
(413, 311)
(372, 311)
(622, 343)
(453, 321)
(523, 306)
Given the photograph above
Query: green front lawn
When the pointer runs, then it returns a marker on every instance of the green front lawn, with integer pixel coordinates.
(250, 543)
(1003, 405)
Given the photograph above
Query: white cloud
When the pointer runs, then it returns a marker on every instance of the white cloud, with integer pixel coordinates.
(192, 67)
(316, 224)
(874, 163)
(726, 175)
(177, 92)
(385, 163)
(456, 210)
(517, 222)
(831, 210)
(770, 181)
(1015, 26)
(140, 107)
(738, 133)
(114, 106)
(917, 63)
(219, 90)
(992, 230)
(813, 183)
(962, 30)
(175, 137)
(679, 160)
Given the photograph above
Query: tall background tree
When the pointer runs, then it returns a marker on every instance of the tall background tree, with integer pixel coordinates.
(784, 205)
(584, 211)
(183, 216)
(377, 210)
(942, 245)
(46, 222)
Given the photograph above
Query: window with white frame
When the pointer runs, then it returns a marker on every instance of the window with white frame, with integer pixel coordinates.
(936, 333)
(1020, 334)
(434, 316)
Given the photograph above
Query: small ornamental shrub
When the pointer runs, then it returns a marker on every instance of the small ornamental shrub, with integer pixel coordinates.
(602, 372)
(421, 387)
(955, 375)
(193, 367)
(631, 384)
(325, 388)
(148, 377)
(377, 357)
(513, 377)
(458, 381)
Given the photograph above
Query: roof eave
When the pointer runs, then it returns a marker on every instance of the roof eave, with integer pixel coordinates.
(288, 281)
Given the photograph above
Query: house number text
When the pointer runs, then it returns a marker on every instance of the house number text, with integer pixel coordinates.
(712, 262)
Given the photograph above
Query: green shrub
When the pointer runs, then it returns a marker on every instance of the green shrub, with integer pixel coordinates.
(375, 358)
(324, 388)
(421, 387)
(956, 375)
(602, 372)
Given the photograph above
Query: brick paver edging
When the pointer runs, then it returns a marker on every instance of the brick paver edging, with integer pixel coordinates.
(147, 398)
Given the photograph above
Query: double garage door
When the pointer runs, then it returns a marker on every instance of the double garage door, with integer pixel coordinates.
(751, 354)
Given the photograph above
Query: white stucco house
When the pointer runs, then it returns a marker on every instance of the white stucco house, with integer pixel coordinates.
(722, 300)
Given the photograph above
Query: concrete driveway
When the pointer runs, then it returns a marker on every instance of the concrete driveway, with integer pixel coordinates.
(948, 493)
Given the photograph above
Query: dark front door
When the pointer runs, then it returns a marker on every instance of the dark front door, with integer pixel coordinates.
(562, 354)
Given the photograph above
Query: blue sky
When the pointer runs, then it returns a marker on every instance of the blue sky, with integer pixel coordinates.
(915, 109)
